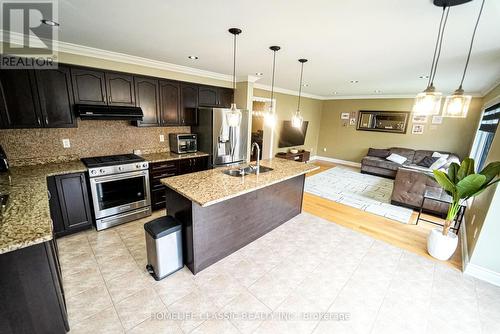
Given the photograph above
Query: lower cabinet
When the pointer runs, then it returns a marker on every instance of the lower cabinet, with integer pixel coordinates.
(69, 203)
(161, 170)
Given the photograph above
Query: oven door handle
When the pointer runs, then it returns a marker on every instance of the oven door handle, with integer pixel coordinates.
(101, 179)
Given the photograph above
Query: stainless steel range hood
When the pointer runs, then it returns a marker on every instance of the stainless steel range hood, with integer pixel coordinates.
(86, 111)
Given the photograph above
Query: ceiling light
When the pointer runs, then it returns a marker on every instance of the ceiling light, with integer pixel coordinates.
(193, 57)
(269, 116)
(306, 84)
(297, 118)
(259, 74)
(424, 77)
(50, 23)
(377, 91)
(234, 115)
(335, 93)
(429, 101)
(354, 81)
(457, 105)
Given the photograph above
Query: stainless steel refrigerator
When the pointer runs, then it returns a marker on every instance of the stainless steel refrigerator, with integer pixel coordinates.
(226, 145)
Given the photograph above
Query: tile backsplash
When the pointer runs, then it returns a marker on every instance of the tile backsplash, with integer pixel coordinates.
(90, 138)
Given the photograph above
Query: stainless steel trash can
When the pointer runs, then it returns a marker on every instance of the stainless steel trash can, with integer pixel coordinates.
(164, 246)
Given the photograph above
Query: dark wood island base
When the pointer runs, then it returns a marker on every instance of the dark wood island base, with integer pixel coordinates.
(213, 232)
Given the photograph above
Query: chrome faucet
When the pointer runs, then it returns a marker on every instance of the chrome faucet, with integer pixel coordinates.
(257, 164)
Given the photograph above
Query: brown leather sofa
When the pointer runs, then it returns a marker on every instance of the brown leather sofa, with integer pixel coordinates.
(410, 181)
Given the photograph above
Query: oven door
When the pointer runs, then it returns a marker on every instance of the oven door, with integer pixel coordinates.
(115, 194)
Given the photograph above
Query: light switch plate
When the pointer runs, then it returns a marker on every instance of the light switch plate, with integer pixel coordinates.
(66, 143)
(162, 138)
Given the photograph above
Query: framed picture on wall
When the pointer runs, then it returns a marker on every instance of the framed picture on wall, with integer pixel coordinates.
(417, 129)
(419, 119)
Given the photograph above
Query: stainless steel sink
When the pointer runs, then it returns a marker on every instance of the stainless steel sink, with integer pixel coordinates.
(239, 172)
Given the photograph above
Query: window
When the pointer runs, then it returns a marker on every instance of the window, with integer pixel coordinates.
(485, 135)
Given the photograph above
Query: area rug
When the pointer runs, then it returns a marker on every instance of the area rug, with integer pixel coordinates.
(365, 192)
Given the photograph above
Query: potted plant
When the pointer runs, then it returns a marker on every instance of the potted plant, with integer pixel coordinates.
(461, 182)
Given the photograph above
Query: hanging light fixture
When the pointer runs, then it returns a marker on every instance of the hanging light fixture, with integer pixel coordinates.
(297, 118)
(457, 105)
(270, 116)
(429, 101)
(234, 115)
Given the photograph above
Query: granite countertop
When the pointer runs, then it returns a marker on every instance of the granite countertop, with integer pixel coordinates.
(168, 156)
(26, 220)
(212, 186)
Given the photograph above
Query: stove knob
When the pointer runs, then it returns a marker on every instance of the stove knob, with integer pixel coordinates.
(93, 171)
(102, 171)
(138, 166)
(120, 168)
(145, 165)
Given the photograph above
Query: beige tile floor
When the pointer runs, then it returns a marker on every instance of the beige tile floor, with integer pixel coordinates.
(308, 270)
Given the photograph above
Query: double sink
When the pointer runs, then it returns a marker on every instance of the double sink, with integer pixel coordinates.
(247, 170)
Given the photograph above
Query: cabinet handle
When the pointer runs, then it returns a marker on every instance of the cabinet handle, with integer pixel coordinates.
(46, 120)
(38, 120)
(81, 179)
(49, 195)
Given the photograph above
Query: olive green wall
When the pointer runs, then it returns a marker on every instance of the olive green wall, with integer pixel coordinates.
(347, 143)
(286, 105)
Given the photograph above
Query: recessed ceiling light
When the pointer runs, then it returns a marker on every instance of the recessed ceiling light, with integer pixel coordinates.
(354, 81)
(335, 93)
(424, 77)
(259, 74)
(377, 91)
(50, 23)
(193, 57)
(305, 85)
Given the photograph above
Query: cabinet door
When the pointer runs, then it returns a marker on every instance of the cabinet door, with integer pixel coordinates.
(56, 97)
(169, 103)
(147, 97)
(189, 105)
(120, 88)
(225, 97)
(19, 105)
(200, 164)
(89, 86)
(185, 166)
(208, 96)
(74, 201)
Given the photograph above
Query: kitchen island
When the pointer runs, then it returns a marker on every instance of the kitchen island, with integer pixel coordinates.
(222, 213)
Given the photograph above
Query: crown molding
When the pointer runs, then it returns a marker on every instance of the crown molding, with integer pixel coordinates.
(247, 78)
(289, 91)
(490, 89)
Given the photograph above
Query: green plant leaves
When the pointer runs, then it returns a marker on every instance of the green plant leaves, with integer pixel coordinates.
(444, 181)
(490, 171)
(466, 168)
(470, 185)
(452, 172)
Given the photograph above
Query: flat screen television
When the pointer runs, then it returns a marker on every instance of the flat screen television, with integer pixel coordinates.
(291, 136)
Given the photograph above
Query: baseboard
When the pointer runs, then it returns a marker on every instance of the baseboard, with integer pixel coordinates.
(337, 161)
(463, 244)
(483, 274)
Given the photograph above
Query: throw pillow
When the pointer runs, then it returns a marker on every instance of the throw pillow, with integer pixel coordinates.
(379, 153)
(440, 155)
(396, 158)
(427, 161)
(438, 163)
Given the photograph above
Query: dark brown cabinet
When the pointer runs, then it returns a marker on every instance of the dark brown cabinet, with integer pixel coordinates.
(120, 89)
(56, 97)
(148, 98)
(19, 104)
(191, 165)
(209, 96)
(169, 102)
(69, 203)
(188, 114)
(89, 87)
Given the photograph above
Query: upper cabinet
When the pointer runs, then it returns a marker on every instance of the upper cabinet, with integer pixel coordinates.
(120, 89)
(148, 98)
(189, 105)
(56, 97)
(169, 102)
(19, 107)
(214, 97)
(89, 87)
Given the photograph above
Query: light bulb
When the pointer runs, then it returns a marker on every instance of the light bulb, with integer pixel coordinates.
(428, 102)
(457, 105)
(297, 120)
(233, 116)
(270, 119)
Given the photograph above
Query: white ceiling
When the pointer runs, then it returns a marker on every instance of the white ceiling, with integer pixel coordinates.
(385, 44)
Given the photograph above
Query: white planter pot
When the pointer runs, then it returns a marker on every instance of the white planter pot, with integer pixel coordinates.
(441, 246)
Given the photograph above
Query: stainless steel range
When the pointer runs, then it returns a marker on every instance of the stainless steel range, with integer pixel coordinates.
(120, 189)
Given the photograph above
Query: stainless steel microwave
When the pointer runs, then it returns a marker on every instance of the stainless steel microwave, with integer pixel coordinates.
(183, 142)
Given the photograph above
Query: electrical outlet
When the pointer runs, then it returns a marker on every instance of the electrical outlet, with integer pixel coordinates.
(66, 143)
(162, 138)
(324, 149)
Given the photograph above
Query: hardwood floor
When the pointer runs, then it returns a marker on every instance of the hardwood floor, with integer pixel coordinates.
(407, 236)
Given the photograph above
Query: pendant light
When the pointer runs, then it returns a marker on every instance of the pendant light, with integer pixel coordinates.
(234, 115)
(429, 101)
(297, 118)
(270, 116)
(457, 105)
